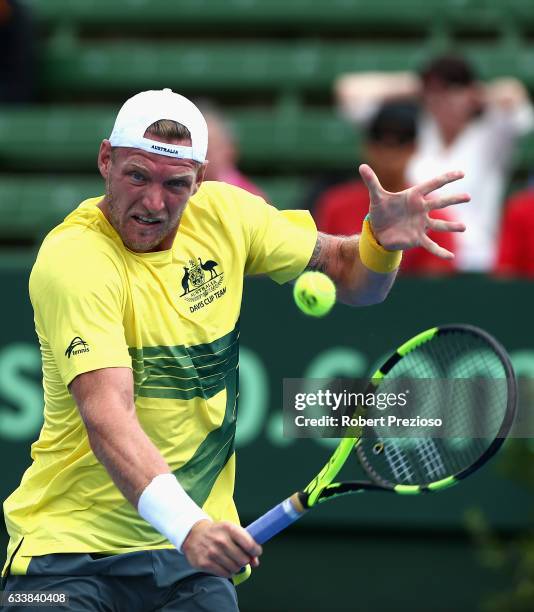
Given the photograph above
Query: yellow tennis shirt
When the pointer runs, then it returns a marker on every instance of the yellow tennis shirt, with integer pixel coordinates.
(173, 317)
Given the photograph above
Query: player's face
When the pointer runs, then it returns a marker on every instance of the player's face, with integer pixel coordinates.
(146, 194)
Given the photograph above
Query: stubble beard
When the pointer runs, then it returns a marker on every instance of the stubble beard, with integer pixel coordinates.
(117, 223)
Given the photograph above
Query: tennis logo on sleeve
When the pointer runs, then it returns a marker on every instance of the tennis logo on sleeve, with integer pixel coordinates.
(76, 347)
(201, 282)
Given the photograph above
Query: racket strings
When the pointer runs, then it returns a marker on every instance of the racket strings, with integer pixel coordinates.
(457, 377)
(399, 463)
(430, 459)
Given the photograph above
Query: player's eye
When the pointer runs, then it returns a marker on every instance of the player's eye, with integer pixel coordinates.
(137, 176)
(179, 184)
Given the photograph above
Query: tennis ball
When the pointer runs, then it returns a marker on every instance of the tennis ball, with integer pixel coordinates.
(314, 294)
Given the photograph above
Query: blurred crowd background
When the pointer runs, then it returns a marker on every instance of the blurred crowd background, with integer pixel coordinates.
(297, 93)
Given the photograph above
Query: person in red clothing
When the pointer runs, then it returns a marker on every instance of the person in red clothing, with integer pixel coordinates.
(515, 256)
(390, 142)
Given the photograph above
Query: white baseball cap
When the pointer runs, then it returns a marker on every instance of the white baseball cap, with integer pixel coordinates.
(145, 108)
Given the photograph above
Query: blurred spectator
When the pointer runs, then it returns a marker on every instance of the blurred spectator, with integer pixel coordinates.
(17, 58)
(223, 152)
(389, 144)
(466, 126)
(516, 246)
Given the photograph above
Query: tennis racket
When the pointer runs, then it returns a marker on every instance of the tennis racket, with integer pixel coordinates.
(413, 466)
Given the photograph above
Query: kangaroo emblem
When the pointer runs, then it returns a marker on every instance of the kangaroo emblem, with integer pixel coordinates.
(185, 281)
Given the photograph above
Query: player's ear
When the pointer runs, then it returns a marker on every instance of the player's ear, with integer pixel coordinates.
(104, 158)
(201, 172)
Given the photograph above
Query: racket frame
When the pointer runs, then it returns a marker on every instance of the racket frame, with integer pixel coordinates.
(322, 488)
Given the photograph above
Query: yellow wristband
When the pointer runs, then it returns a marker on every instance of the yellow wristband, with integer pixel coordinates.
(373, 255)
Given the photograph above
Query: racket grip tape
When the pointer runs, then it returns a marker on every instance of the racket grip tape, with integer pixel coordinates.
(276, 519)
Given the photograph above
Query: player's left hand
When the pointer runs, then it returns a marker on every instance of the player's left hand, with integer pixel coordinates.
(401, 220)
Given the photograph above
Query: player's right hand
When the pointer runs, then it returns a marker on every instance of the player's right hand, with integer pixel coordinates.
(220, 548)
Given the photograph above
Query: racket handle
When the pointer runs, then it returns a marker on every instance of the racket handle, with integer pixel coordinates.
(276, 519)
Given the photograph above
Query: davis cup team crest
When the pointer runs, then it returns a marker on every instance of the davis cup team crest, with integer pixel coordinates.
(201, 282)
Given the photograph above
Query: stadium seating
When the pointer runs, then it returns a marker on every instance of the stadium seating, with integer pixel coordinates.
(297, 15)
(244, 67)
(64, 138)
(198, 62)
(67, 138)
(33, 205)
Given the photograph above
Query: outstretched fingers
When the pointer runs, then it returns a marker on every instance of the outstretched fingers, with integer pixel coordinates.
(371, 181)
(439, 181)
(435, 249)
(439, 225)
(443, 202)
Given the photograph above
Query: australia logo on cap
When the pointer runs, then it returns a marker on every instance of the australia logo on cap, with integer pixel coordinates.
(201, 282)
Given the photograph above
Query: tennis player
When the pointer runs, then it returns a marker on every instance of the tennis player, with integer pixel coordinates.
(128, 502)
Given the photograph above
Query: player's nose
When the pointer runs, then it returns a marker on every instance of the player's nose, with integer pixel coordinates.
(153, 199)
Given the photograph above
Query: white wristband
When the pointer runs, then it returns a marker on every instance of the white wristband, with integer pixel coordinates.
(169, 509)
